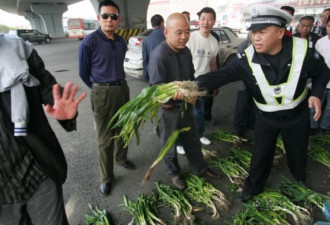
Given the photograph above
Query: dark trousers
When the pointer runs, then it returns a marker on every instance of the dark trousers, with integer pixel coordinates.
(106, 100)
(170, 120)
(295, 141)
(208, 103)
(46, 206)
(244, 114)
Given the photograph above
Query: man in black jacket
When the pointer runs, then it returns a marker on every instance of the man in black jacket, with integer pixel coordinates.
(32, 163)
(275, 68)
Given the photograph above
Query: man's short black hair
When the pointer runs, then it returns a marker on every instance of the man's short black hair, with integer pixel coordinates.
(311, 18)
(108, 3)
(156, 20)
(207, 10)
(288, 8)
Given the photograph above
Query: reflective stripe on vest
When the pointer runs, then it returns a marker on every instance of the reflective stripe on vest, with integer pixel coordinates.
(280, 97)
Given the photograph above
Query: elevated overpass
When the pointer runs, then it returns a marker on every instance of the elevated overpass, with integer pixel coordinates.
(46, 15)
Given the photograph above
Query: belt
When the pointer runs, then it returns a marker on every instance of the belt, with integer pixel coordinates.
(114, 83)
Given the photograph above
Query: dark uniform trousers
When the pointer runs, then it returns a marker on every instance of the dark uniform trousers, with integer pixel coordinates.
(295, 141)
(177, 118)
(106, 100)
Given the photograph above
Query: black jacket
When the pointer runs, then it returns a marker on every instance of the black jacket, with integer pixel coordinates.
(313, 67)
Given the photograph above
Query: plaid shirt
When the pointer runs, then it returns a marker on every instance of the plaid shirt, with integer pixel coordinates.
(20, 174)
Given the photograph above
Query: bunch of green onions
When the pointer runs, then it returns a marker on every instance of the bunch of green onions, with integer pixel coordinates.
(176, 199)
(142, 210)
(235, 172)
(201, 191)
(222, 135)
(252, 216)
(99, 217)
(208, 154)
(275, 201)
(240, 156)
(144, 107)
(302, 196)
(321, 139)
(319, 154)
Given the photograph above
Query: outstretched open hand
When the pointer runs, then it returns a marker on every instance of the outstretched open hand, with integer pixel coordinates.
(65, 107)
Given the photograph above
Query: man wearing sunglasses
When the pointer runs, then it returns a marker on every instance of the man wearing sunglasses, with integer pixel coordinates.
(101, 58)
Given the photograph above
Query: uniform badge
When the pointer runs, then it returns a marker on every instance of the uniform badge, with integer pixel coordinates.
(277, 90)
(316, 55)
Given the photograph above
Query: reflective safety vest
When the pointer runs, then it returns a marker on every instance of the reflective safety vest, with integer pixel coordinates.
(280, 97)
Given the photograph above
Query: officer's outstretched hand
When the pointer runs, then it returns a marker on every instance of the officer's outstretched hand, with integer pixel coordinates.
(315, 102)
(65, 107)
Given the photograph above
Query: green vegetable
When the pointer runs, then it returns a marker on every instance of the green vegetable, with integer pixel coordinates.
(99, 217)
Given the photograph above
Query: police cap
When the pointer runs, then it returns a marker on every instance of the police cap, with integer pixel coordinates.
(265, 15)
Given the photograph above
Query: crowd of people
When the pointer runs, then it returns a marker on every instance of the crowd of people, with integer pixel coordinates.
(285, 87)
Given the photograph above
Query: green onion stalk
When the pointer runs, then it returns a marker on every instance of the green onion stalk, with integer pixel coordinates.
(302, 196)
(233, 170)
(176, 199)
(145, 106)
(319, 154)
(252, 216)
(99, 217)
(201, 191)
(168, 145)
(275, 201)
(142, 210)
(222, 135)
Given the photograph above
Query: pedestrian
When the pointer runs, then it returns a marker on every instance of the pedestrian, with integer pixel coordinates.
(204, 50)
(305, 30)
(323, 47)
(32, 163)
(324, 16)
(275, 68)
(290, 10)
(172, 61)
(153, 39)
(187, 15)
(101, 58)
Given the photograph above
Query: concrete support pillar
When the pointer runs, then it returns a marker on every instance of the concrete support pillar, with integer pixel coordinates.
(36, 22)
(133, 12)
(51, 14)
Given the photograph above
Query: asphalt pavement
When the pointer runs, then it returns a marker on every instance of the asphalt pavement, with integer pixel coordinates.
(80, 147)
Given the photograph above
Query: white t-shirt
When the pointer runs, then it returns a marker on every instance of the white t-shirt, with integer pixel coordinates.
(202, 50)
(323, 47)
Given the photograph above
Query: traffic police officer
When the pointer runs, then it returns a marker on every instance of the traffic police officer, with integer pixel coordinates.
(275, 68)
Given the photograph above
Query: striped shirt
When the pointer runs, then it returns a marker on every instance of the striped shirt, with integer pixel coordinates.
(101, 60)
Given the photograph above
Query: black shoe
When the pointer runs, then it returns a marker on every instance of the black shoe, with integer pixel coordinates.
(211, 173)
(105, 188)
(128, 165)
(244, 197)
(178, 182)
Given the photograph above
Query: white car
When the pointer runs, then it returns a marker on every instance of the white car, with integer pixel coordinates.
(228, 44)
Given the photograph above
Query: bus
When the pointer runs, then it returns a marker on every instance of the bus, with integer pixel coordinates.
(79, 28)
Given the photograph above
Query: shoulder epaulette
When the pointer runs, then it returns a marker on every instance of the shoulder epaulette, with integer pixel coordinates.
(240, 55)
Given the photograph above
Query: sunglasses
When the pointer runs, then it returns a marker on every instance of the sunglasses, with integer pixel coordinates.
(112, 16)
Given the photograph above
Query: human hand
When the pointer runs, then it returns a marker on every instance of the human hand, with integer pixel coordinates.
(314, 102)
(216, 92)
(178, 95)
(65, 107)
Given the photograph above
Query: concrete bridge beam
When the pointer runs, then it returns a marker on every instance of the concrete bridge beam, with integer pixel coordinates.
(51, 15)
